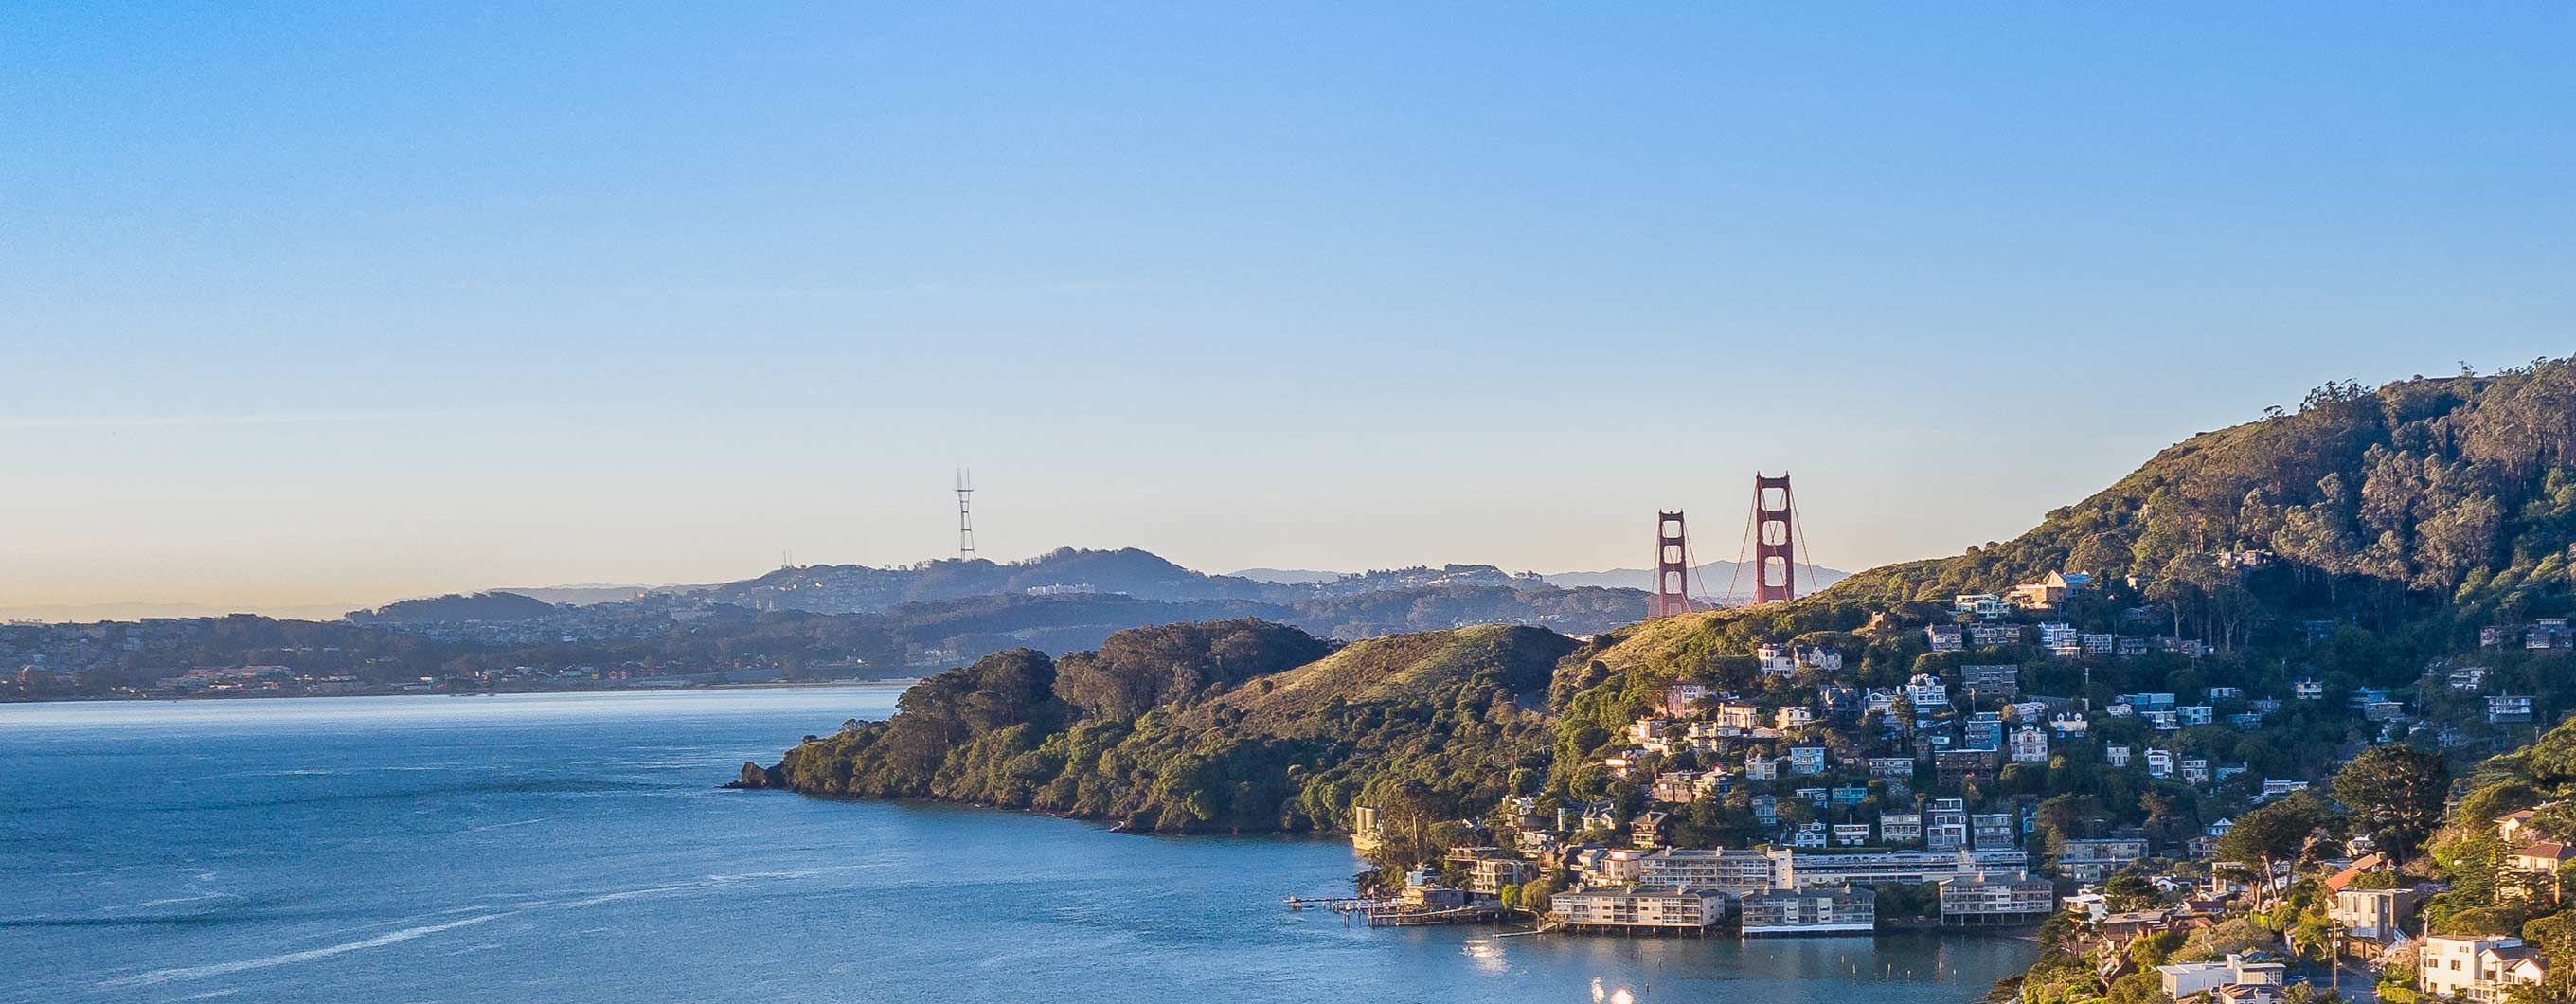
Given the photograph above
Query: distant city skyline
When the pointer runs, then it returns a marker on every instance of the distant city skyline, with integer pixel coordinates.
(311, 306)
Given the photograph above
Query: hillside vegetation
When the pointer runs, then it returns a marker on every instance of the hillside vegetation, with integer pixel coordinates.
(2352, 544)
(2452, 496)
(1234, 725)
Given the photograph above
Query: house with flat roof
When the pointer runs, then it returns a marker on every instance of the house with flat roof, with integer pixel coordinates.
(1987, 606)
(2374, 915)
(2184, 979)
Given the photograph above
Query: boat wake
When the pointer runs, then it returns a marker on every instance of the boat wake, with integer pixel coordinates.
(159, 976)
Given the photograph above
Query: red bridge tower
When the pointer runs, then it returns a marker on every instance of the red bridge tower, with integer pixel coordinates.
(1672, 567)
(1775, 558)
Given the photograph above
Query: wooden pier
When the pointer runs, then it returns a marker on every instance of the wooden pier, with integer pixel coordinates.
(1418, 918)
(1393, 913)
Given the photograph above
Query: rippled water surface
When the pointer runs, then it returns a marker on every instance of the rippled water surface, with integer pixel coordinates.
(576, 848)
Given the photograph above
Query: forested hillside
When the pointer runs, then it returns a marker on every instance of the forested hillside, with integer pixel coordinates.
(1237, 725)
(2421, 509)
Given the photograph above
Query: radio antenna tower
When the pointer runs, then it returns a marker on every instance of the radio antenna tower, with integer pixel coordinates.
(965, 514)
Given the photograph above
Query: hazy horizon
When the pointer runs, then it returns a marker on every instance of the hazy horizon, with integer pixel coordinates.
(129, 610)
(340, 305)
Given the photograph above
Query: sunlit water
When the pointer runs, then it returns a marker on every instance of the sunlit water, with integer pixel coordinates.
(576, 848)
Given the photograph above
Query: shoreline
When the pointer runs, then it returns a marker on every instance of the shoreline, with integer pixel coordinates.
(498, 692)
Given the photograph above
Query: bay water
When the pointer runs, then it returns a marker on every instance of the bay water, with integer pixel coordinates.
(577, 848)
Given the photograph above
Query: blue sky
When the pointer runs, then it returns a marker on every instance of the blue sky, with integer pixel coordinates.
(340, 302)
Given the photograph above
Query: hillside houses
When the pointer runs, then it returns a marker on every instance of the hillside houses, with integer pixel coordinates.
(2542, 635)
(1988, 634)
(2049, 593)
(1759, 777)
(1991, 682)
(1786, 660)
(1681, 700)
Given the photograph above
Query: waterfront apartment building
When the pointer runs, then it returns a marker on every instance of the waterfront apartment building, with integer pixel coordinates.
(1842, 910)
(1734, 872)
(1876, 867)
(2009, 899)
(1639, 908)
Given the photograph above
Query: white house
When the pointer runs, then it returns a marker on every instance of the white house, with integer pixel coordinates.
(2477, 968)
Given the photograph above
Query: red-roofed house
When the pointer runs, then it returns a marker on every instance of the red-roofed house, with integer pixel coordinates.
(2360, 866)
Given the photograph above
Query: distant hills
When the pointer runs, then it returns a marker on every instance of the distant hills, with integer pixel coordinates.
(1153, 590)
(1715, 577)
(496, 606)
(864, 589)
(939, 613)
(837, 589)
(948, 611)
(136, 610)
(581, 595)
(1289, 576)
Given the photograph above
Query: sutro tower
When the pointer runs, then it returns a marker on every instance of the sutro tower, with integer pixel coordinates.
(965, 514)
